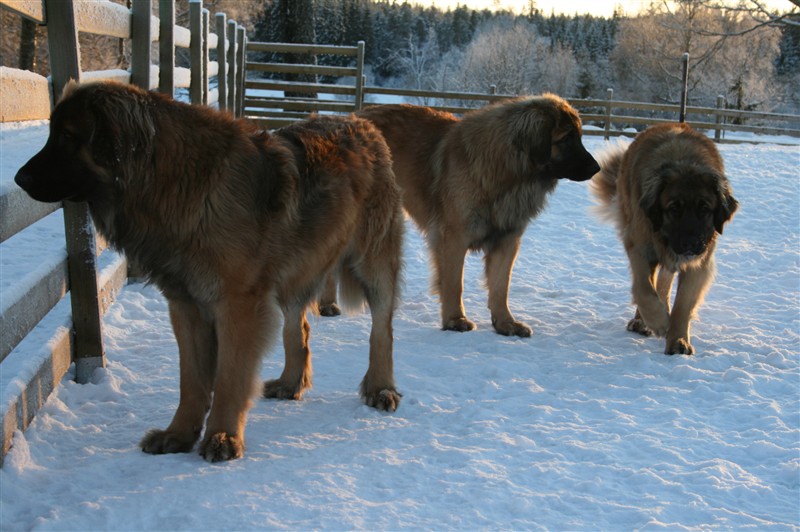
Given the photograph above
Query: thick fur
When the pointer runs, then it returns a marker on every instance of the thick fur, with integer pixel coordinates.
(669, 197)
(473, 184)
(234, 226)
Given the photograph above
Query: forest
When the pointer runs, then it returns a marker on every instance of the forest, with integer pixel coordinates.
(743, 52)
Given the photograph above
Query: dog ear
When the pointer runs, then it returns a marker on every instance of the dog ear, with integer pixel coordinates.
(652, 208)
(534, 135)
(122, 125)
(726, 205)
(650, 201)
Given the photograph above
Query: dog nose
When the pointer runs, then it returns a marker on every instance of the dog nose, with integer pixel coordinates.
(690, 246)
(594, 166)
(23, 179)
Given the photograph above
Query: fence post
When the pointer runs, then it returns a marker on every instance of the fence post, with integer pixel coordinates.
(222, 62)
(241, 46)
(360, 76)
(720, 119)
(166, 47)
(62, 38)
(88, 352)
(609, 98)
(196, 51)
(141, 39)
(233, 89)
(685, 87)
(204, 50)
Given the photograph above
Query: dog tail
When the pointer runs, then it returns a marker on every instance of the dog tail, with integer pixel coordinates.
(604, 183)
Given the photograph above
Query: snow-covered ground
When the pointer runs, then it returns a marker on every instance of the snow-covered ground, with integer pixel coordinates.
(583, 426)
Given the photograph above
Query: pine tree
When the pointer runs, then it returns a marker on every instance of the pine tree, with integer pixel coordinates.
(297, 26)
(788, 60)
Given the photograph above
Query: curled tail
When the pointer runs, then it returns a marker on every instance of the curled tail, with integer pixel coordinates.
(604, 183)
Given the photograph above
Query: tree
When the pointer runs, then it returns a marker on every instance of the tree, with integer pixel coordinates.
(296, 20)
(513, 57)
(723, 61)
(417, 61)
(27, 45)
(788, 61)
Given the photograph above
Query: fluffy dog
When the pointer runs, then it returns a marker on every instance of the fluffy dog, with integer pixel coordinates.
(668, 194)
(234, 226)
(473, 184)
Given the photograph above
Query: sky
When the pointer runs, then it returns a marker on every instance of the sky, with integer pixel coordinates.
(603, 8)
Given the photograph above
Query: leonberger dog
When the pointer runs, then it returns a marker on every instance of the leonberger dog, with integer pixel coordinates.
(234, 226)
(473, 184)
(669, 197)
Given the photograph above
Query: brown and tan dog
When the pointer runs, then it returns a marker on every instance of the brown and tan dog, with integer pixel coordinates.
(234, 226)
(473, 184)
(669, 197)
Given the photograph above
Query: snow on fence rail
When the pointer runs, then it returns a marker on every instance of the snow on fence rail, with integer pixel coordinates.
(29, 96)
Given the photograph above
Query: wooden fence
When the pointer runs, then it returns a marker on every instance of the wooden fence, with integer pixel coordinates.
(28, 96)
(265, 103)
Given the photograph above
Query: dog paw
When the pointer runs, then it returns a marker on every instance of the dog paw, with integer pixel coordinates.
(220, 447)
(512, 328)
(165, 442)
(637, 325)
(460, 324)
(277, 389)
(679, 346)
(330, 310)
(387, 399)
(656, 320)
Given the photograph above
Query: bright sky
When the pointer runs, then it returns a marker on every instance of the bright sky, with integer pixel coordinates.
(603, 8)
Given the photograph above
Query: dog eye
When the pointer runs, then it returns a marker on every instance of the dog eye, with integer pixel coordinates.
(67, 136)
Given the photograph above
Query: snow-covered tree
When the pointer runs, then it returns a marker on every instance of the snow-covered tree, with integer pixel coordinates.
(512, 56)
(728, 55)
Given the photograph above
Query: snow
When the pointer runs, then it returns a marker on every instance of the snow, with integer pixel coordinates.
(582, 426)
(105, 18)
(26, 95)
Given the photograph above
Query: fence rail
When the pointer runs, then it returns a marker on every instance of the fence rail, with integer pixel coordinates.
(299, 98)
(613, 117)
(610, 118)
(29, 96)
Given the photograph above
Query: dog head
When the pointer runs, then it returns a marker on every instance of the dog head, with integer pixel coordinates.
(549, 132)
(92, 129)
(692, 203)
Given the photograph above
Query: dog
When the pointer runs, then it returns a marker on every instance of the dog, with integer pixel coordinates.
(234, 226)
(669, 197)
(473, 184)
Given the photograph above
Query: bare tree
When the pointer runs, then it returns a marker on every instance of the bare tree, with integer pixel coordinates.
(517, 60)
(760, 14)
(729, 55)
(419, 61)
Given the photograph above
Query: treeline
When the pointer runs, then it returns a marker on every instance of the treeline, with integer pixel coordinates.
(752, 64)
(395, 31)
(750, 58)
